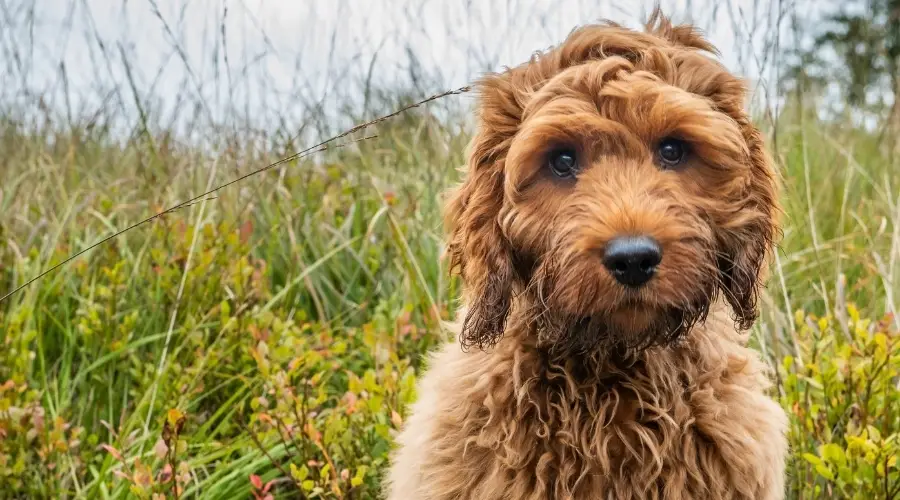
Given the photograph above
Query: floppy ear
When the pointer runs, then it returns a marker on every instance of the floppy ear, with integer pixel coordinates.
(748, 224)
(477, 246)
(747, 242)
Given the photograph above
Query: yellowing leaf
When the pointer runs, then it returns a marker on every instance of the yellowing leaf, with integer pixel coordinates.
(881, 340)
(788, 363)
(853, 312)
(798, 317)
(834, 454)
(825, 472)
(173, 416)
(812, 459)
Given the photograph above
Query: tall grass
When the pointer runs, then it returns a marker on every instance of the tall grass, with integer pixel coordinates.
(266, 341)
(306, 261)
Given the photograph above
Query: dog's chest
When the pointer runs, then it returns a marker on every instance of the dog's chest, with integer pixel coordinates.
(605, 425)
(575, 440)
(510, 426)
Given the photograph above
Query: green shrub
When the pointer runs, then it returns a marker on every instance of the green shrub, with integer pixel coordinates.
(841, 390)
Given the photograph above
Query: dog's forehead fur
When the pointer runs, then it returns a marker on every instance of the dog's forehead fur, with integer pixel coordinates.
(593, 55)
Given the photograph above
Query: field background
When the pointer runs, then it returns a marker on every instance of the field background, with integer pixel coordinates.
(265, 340)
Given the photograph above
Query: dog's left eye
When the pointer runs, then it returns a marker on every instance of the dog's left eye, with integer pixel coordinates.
(671, 152)
(563, 163)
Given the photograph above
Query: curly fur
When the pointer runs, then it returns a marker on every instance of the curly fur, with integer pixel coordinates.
(580, 388)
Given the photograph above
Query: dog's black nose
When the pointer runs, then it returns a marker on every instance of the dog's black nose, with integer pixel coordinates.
(632, 260)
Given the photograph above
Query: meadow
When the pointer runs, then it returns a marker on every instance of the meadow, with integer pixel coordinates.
(264, 341)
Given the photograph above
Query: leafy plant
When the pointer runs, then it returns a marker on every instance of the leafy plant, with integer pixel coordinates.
(841, 389)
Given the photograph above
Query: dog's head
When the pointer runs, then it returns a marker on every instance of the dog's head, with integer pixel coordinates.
(616, 186)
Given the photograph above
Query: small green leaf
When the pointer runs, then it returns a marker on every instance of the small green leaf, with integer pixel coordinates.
(825, 472)
(814, 460)
(834, 454)
(299, 473)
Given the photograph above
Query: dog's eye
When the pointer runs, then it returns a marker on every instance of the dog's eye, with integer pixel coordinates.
(671, 152)
(563, 163)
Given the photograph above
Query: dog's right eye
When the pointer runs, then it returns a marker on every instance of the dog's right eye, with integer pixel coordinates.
(563, 163)
(671, 152)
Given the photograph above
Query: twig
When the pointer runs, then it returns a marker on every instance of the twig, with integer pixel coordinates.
(266, 453)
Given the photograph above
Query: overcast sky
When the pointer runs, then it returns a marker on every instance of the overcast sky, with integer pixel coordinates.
(283, 51)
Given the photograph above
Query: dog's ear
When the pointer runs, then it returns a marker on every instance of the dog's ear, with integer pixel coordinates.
(747, 228)
(477, 247)
(749, 238)
(748, 224)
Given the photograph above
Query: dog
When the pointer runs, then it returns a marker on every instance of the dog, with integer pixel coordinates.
(611, 232)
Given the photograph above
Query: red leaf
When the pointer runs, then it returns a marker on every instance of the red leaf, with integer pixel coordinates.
(165, 475)
(246, 231)
(256, 481)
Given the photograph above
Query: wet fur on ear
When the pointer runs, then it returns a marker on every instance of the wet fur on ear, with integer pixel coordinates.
(745, 247)
(477, 247)
(481, 254)
(747, 241)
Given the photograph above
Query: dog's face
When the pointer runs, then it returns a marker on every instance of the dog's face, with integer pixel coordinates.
(617, 187)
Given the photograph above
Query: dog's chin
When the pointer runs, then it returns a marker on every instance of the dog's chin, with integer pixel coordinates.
(633, 319)
(577, 310)
(622, 333)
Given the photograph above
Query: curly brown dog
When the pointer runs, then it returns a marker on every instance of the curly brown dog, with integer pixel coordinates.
(611, 230)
